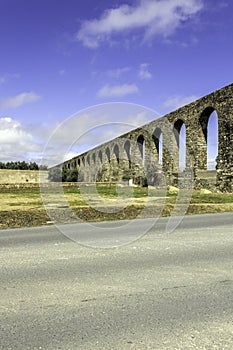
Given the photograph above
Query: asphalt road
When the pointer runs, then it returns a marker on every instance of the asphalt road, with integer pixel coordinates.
(162, 291)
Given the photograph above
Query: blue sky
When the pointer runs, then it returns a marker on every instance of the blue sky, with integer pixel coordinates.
(61, 57)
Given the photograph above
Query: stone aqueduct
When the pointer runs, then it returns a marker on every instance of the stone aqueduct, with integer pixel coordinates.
(132, 154)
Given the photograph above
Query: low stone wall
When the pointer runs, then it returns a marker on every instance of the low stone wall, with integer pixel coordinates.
(22, 176)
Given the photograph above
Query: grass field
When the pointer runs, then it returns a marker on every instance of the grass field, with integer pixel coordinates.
(25, 207)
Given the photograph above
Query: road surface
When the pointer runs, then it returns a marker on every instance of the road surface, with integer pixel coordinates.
(163, 291)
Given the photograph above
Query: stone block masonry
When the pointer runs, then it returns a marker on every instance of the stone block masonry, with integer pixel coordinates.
(152, 150)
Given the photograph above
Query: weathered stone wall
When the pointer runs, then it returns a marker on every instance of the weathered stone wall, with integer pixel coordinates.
(22, 176)
(132, 154)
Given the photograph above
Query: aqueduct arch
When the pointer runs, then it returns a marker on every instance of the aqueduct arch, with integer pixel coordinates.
(204, 134)
(157, 137)
(180, 138)
(137, 146)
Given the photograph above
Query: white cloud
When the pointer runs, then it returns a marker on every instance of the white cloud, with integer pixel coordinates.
(19, 100)
(11, 131)
(179, 101)
(117, 90)
(144, 72)
(116, 73)
(15, 140)
(154, 17)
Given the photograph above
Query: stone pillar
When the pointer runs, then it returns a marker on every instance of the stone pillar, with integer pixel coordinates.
(225, 142)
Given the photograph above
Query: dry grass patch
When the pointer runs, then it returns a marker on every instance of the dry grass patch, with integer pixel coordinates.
(24, 207)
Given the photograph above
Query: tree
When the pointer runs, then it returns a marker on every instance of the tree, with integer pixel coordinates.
(151, 175)
(43, 167)
(64, 175)
(72, 175)
(33, 166)
(22, 165)
(55, 174)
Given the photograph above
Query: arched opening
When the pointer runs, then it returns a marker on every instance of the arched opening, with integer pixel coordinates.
(116, 153)
(79, 162)
(75, 164)
(212, 141)
(127, 149)
(68, 165)
(83, 161)
(93, 158)
(209, 125)
(88, 160)
(100, 155)
(141, 146)
(108, 154)
(158, 141)
(180, 136)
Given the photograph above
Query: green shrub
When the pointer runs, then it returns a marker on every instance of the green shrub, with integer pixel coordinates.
(72, 175)
(55, 174)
